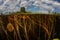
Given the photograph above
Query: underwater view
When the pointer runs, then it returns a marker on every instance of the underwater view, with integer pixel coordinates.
(29, 19)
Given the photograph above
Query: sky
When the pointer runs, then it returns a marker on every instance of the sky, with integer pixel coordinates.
(30, 5)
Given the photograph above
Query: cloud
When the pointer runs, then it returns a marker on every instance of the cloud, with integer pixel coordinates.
(24, 3)
(45, 4)
(11, 5)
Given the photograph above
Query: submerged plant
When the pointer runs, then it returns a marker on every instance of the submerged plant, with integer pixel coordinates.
(29, 27)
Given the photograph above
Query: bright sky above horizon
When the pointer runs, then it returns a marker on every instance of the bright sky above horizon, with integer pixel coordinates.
(30, 5)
